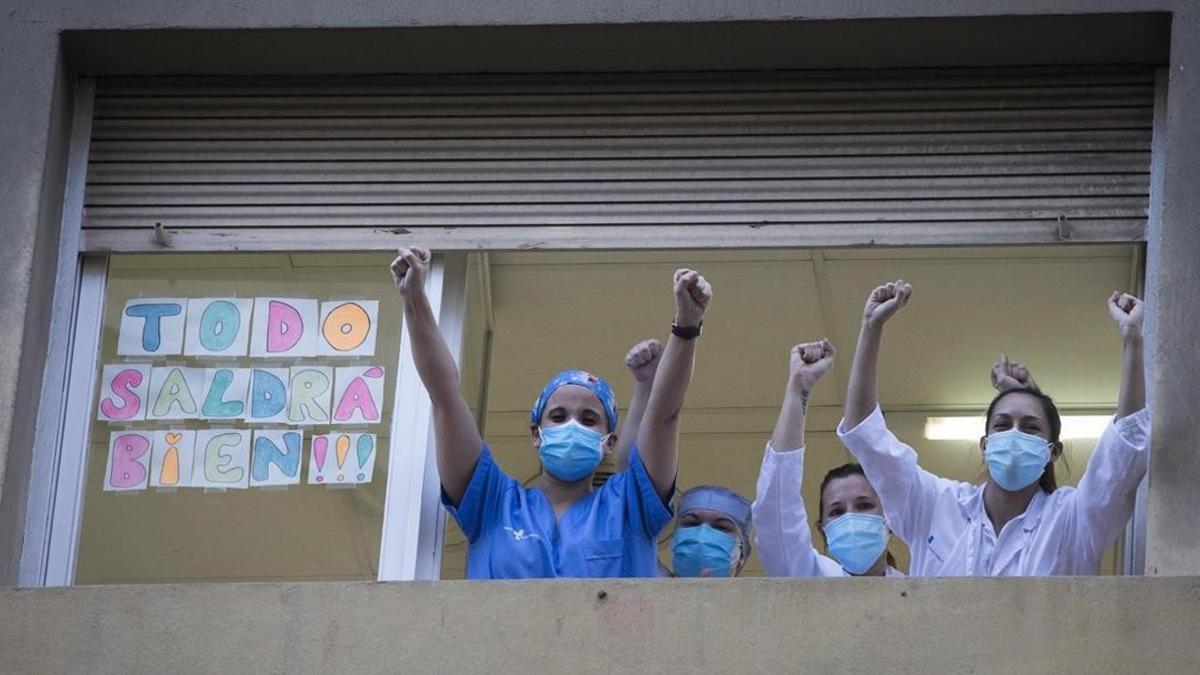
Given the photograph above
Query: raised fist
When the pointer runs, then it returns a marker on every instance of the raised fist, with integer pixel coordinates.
(1126, 310)
(409, 270)
(884, 301)
(642, 360)
(1008, 375)
(810, 361)
(693, 294)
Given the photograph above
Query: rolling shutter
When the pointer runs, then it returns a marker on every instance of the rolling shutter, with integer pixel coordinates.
(988, 149)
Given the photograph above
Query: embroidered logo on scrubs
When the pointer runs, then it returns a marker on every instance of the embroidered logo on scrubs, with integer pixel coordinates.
(521, 534)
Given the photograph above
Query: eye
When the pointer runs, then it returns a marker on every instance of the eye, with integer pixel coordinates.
(589, 419)
(557, 415)
(1031, 427)
(689, 520)
(835, 512)
(1001, 425)
(864, 505)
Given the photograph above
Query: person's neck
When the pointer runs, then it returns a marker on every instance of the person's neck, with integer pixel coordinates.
(1002, 506)
(563, 494)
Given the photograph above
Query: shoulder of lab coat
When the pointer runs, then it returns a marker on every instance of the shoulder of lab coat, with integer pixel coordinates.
(911, 496)
(781, 531)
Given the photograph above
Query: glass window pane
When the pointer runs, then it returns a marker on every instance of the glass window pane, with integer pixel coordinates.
(298, 531)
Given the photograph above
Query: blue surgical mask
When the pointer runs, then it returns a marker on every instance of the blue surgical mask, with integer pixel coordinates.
(1016, 459)
(856, 540)
(571, 452)
(702, 547)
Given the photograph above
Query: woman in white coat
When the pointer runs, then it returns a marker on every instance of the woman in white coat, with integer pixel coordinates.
(850, 518)
(1018, 522)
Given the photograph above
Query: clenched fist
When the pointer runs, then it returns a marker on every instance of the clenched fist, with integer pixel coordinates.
(693, 294)
(1126, 310)
(410, 269)
(884, 301)
(810, 362)
(642, 360)
(1008, 375)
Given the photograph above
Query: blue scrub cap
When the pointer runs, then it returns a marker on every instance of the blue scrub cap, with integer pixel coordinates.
(597, 385)
(717, 498)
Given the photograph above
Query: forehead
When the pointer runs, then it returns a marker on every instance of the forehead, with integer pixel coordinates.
(573, 397)
(1018, 406)
(709, 516)
(848, 488)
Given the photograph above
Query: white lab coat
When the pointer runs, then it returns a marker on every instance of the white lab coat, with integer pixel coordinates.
(781, 531)
(949, 534)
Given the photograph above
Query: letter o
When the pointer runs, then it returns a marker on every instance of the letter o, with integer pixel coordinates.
(346, 327)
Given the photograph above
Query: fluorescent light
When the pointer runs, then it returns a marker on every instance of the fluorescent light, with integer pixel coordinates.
(1084, 426)
(954, 428)
(964, 428)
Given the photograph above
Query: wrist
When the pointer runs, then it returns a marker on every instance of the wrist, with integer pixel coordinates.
(1131, 334)
(801, 384)
(871, 326)
(686, 332)
(687, 320)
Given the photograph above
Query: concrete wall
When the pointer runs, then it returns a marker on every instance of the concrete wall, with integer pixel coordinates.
(35, 68)
(1173, 530)
(1085, 625)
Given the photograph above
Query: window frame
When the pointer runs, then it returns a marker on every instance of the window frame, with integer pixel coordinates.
(414, 521)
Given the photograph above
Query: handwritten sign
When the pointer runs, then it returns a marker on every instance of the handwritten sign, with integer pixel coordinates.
(342, 459)
(280, 396)
(218, 326)
(123, 390)
(151, 327)
(172, 456)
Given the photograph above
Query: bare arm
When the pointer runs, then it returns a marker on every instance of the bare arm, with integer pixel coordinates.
(458, 439)
(862, 395)
(642, 361)
(1127, 311)
(809, 362)
(658, 437)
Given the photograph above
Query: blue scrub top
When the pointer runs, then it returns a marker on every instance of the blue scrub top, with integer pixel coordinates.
(512, 532)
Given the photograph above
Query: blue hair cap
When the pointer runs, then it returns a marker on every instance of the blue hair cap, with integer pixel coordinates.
(597, 385)
(723, 500)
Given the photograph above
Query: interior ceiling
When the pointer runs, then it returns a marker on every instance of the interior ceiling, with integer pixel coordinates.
(1044, 306)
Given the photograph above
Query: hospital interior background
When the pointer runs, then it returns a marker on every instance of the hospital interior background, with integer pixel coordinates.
(1045, 306)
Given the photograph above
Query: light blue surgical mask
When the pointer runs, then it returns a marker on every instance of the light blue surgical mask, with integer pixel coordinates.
(856, 540)
(702, 547)
(571, 451)
(1016, 459)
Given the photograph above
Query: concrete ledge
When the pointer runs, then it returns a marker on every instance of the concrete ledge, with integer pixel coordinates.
(1057, 625)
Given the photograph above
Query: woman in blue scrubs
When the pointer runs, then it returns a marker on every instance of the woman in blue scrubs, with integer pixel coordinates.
(562, 527)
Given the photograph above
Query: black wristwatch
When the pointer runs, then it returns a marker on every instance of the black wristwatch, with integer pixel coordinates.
(686, 332)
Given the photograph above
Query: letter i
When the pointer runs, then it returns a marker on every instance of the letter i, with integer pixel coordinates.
(170, 466)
